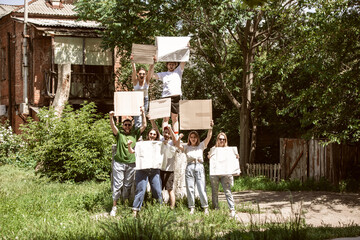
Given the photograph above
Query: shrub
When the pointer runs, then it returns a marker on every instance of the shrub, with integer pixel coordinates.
(12, 148)
(76, 146)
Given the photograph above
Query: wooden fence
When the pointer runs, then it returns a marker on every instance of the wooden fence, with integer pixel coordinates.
(271, 171)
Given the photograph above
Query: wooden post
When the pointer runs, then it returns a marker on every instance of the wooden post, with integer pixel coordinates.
(63, 88)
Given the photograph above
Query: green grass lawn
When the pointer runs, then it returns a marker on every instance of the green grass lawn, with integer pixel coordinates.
(36, 208)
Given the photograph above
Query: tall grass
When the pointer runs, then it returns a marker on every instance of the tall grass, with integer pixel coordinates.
(33, 207)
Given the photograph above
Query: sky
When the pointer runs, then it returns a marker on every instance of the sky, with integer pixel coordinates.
(12, 2)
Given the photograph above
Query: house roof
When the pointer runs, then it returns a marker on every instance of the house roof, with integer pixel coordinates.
(6, 9)
(61, 23)
(40, 7)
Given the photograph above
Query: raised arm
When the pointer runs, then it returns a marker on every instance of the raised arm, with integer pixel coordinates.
(182, 65)
(143, 124)
(154, 126)
(173, 136)
(112, 123)
(150, 73)
(178, 143)
(209, 134)
(133, 76)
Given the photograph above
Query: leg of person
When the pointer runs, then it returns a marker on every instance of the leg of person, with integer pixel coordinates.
(117, 183)
(167, 179)
(214, 180)
(226, 184)
(128, 180)
(200, 183)
(190, 186)
(175, 122)
(155, 182)
(175, 102)
(141, 180)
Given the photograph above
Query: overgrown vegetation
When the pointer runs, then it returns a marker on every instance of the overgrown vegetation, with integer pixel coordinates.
(38, 208)
(75, 147)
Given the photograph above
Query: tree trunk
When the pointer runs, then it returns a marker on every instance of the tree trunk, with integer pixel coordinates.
(63, 88)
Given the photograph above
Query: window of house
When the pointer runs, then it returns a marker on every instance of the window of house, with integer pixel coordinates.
(3, 64)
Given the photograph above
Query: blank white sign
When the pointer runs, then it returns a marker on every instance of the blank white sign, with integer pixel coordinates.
(128, 103)
(173, 49)
(160, 108)
(223, 161)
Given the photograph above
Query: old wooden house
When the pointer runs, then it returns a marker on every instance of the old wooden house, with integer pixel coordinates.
(34, 41)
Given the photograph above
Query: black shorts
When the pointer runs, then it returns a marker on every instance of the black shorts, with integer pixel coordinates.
(167, 180)
(175, 104)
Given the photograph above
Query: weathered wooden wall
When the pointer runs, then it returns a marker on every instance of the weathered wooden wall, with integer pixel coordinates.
(301, 159)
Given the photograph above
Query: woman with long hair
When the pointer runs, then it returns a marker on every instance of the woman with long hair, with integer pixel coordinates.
(143, 176)
(226, 180)
(195, 173)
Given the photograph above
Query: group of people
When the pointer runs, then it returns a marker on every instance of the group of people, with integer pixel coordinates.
(123, 164)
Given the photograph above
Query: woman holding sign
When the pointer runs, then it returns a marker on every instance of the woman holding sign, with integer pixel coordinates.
(195, 173)
(226, 180)
(142, 176)
(141, 82)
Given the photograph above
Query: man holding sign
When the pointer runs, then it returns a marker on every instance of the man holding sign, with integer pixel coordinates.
(173, 77)
(123, 164)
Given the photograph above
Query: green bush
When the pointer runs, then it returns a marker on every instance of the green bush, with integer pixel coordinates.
(12, 148)
(76, 146)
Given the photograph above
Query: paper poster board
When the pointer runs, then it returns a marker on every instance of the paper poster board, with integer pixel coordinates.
(143, 53)
(223, 161)
(195, 114)
(173, 49)
(151, 154)
(160, 108)
(128, 103)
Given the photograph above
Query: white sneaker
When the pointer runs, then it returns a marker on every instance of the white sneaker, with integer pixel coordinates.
(113, 211)
(206, 211)
(232, 213)
(192, 210)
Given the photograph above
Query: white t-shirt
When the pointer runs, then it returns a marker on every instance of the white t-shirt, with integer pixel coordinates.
(144, 88)
(195, 152)
(169, 159)
(171, 82)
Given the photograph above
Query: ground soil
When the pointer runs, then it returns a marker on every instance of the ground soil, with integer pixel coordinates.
(317, 208)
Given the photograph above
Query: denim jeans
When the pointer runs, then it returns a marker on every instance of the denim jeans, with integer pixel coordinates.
(195, 174)
(138, 119)
(226, 184)
(122, 179)
(141, 179)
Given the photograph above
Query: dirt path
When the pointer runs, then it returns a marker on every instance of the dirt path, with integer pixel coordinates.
(318, 208)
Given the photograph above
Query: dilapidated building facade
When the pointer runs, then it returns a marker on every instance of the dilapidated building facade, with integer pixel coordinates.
(34, 41)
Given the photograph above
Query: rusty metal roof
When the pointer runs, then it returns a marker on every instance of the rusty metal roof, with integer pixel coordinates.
(40, 7)
(6, 9)
(61, 23)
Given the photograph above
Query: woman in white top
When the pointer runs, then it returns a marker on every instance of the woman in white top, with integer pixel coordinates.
(195, 173)
(141, 82)
(226, 180)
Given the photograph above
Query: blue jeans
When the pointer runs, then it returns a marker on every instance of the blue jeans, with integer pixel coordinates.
(226, 184)
(141, 179)
(138, 119)
(195, 174)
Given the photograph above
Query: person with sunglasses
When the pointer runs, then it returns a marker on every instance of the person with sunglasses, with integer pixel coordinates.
(195, 173)
(143, 176)
(226, 181)
(141, 82)
(123, 163)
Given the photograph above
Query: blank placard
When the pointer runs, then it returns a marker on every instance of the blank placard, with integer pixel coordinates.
(195, 114)
(173, 49)
(128, 103)
(160, 108)
(143, 53)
